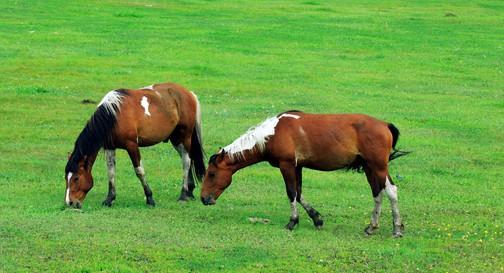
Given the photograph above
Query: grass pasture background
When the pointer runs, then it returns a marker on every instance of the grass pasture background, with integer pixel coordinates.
(433, 69)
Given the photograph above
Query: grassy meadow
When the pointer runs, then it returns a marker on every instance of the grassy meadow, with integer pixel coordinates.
(433, 68)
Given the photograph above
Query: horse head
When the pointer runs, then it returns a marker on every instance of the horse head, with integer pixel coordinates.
(217, 178)
(78, 183)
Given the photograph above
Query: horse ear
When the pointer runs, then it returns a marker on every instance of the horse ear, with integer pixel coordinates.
(69, 155)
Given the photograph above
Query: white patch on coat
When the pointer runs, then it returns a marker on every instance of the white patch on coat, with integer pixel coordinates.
(145, 105)
(289, 116)
(302, 131)
(112, 101)
(67, 194)
(256, 136)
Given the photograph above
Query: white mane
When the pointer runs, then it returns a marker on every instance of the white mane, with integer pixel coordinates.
(112, 101)
(256, 136)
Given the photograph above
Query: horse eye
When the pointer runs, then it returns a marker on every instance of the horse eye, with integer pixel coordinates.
(76, 179)
(211, 175)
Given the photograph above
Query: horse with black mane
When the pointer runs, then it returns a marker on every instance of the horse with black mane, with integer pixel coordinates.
(129, 119)
(293, 140)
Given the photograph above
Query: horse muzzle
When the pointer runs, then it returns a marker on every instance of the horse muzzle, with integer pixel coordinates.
(209, 200)
(74, 204)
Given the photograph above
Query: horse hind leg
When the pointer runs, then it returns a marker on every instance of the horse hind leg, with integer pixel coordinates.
(134, 154)
(314, 214)
(188, 186)
(111, 170)
(381, 184)
(391, 191)
(376, 180)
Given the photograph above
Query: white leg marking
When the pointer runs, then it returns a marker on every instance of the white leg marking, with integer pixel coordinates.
(294, 211)
(392, 195)
(305, 204)
(186, 164)
(375, 215)
(140, 172)
(145, 105)
(67, 194)
(110, 158)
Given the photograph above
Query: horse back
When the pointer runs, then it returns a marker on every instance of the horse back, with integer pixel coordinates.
(151, 114)
(329, 141)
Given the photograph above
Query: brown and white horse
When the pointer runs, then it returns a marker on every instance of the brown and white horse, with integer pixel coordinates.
(129, 119)
(293, 140)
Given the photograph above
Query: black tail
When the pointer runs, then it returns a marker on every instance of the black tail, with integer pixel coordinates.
(395, 137)
(197, 152)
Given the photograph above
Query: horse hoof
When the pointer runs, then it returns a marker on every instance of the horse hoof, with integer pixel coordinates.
(107, 203)
(397, 235)
(398, 231)
(150, 202)
(292, 224)
(186, 196)
(370, 230)
(318, 224)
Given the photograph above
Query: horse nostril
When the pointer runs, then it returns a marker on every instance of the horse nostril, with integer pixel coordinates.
(203, 201)
(70, 203)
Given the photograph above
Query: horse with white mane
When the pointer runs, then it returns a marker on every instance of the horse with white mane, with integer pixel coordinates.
(293, 140)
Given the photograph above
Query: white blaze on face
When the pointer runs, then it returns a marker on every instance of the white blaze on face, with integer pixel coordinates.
(67, 195)
(145, 105)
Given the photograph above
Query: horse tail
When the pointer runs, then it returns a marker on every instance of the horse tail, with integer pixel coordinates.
(197, 152)
(395, 137)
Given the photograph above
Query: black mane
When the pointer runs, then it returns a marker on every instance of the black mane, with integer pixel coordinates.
(95, 135)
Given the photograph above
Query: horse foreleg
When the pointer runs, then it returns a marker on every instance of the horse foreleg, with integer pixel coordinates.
(314, 214)
(110, 159)
(134, 154)
(186, 192)
(289, 175)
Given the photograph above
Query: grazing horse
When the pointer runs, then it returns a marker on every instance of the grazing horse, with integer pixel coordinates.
(293, 140)
(129, 119)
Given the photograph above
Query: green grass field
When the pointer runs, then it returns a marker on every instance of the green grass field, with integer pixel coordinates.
(433, 68)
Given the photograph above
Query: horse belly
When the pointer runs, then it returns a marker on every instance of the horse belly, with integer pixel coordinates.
(154, 130)
(328, 163)
(326, 157)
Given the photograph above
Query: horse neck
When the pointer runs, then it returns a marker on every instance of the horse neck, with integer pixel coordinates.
(249, 157)
(92, 159)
